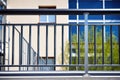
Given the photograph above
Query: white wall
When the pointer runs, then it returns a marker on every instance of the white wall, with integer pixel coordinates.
(34, 4)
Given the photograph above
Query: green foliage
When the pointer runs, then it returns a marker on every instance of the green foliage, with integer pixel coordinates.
(99, 56)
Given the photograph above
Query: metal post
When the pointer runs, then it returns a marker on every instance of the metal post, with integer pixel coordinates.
(29, 61)
(111, 45)
(21, 48)
(46, 44)
(78, 44)
(13, 39)
(62, 44)
(4, 43)
(95, 50)
(54, 46)
(38, 44)
(8, 46)
(86, 42)
(103, 44)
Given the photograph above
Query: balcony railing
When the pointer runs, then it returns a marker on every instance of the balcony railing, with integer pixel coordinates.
(85, 51)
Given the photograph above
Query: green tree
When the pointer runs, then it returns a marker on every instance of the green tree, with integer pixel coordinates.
(99, 56)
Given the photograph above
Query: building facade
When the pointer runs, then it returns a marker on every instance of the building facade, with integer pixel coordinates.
(28, 19)
(57, 19)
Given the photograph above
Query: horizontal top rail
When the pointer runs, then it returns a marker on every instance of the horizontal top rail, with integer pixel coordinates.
(58, 73)
(58, 11)
(59, 24)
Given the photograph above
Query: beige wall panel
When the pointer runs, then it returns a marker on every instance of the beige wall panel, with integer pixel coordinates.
(34, 4)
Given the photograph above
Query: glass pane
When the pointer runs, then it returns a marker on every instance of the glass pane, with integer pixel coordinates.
(72, 17)
(112, 17)
(73, 31)
(74, 28)
(50, 61)
(43, 61)
(72, 4)
(90, 4)
(51, 18)
(81, 17)
(91, 17)
(81, 33)
(43, 18)
(95, 17)
(112, 4)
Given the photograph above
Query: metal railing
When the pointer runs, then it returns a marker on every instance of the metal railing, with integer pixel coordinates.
(94, 54)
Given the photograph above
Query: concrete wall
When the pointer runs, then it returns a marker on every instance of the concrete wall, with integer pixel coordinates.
(34, 4)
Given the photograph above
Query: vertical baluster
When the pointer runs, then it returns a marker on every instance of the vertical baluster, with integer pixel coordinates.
(54, 45)
(62, 44)
(111, 43)
(21, 47)
(95, 44)
(46, 44)
(78, 44)
(13, 40)
(4, 43)
(38, 44)
(1, 47)
(70, 44)
(8, 46)
(102, 44)
(29, 47)
(86, 42)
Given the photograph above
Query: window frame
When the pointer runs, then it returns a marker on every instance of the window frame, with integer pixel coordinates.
(47, 7)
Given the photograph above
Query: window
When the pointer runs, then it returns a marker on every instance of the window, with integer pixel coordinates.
(47, 18)
(114, 4)
(91, 4)
(43, 61)
(81, 4)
